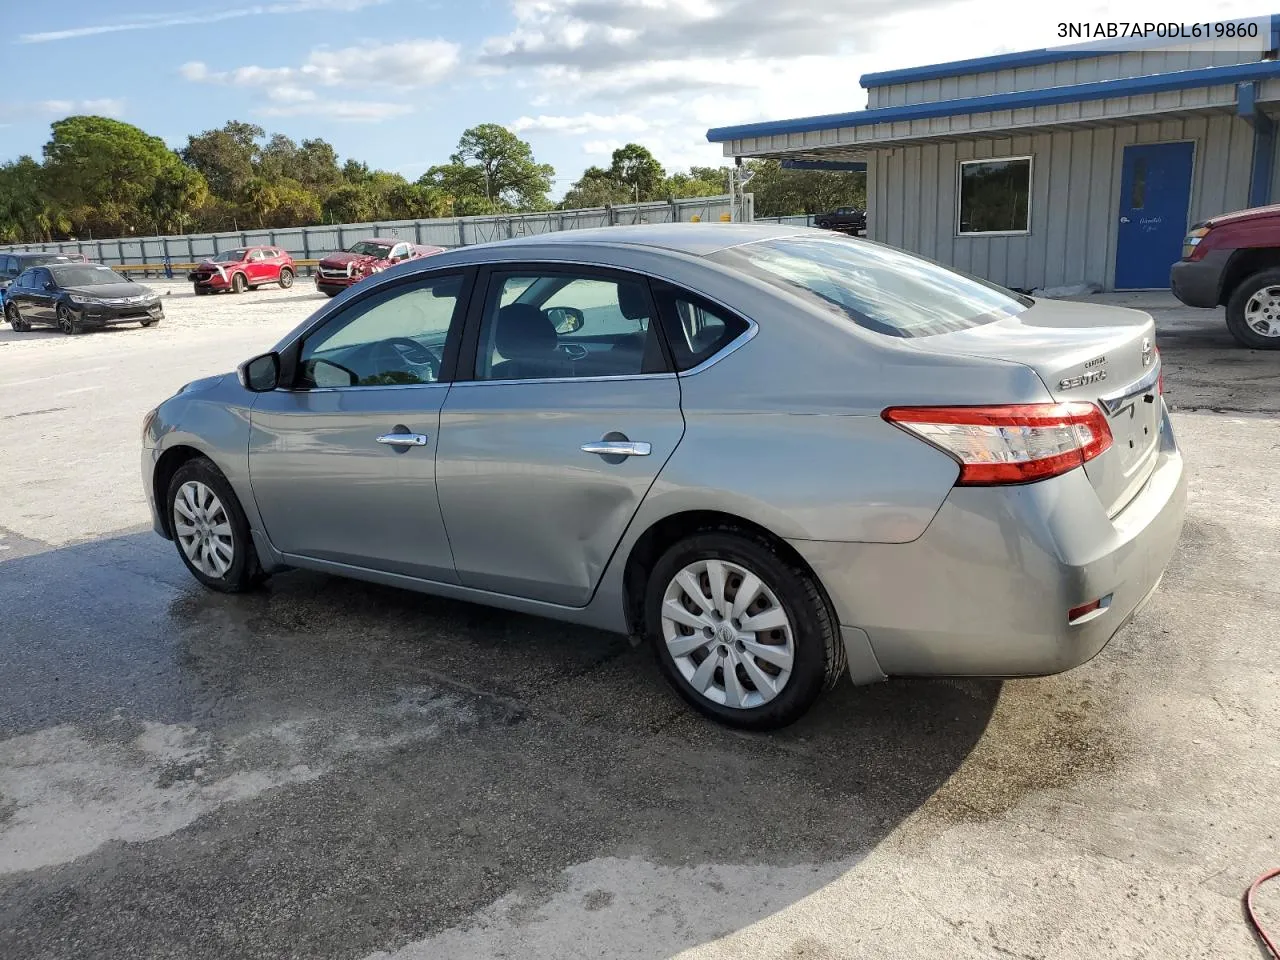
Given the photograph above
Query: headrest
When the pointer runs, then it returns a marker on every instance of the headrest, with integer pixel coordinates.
(632, 301)
(524, 332)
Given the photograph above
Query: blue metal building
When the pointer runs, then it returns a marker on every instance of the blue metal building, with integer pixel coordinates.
(1052, 167)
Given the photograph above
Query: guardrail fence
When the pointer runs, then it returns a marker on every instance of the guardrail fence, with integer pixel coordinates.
(306, 245)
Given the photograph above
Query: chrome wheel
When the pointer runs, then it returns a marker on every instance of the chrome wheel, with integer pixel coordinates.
(727, 634)
(286, 279)
(203, 529)
(1262, 312)
(65, 322)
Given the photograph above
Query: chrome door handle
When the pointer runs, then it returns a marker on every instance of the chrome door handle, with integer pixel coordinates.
(618, 448)
(404, 439)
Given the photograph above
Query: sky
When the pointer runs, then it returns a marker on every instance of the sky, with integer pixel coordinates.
(395, 82)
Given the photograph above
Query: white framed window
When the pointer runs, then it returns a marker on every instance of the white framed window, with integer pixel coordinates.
(993, 197)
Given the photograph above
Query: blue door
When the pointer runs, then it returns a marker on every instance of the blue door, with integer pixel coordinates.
(1155, 192)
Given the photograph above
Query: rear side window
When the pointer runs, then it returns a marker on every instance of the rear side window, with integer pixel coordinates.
(695, 329)
(877, 287)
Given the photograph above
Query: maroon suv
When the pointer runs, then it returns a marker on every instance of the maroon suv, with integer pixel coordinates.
(1234, 259)
(245, 268)
(340, 270)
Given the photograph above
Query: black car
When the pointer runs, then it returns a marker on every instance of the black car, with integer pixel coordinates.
(76, 296)
(846, 219)
(12, 264)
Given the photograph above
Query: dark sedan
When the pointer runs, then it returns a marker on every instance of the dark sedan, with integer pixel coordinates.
(77, 296)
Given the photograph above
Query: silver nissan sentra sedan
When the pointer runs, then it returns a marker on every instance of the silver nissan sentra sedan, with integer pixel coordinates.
(781, 455)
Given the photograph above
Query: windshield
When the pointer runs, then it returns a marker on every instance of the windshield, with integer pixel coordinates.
(370, 248)
(229, 256)
(75, 275)
(877, 287)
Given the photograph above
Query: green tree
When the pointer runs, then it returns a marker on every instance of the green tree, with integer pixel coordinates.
(697, 182)
(350, 203)
(493, 163)
(227, 157)
(596, 188)
(781, 193)
(27, 212)
(316, 165)
(113, 177)
(638, 170)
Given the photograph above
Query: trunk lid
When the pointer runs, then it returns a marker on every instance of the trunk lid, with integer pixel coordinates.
(1081, 351)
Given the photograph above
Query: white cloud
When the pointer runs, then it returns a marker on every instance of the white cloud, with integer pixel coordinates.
(601, 148)
(411, 63)
(100, 108)
(196, 18)
(368, 111)
(583, 123)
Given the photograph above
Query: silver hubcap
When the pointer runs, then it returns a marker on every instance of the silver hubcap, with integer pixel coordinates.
(1262, 312)
(727, 634)
(203, 529)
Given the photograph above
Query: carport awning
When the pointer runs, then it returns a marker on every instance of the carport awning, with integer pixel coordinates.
(850, 136)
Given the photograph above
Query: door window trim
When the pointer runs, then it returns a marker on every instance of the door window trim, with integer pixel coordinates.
(470, 346)
(291, 352)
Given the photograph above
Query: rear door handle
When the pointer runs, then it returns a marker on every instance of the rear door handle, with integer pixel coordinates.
(404, 439)
(618, 448)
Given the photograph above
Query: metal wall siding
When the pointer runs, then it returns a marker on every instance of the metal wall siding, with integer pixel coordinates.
(1132, 63)
(1075, 190)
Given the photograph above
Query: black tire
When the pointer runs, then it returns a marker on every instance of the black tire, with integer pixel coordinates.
(244, 572)
(822, 224)
(819, 659)
(286, 278)
(14, 316)
(331, 293)
(1238, 323)
(67, 322)
(200, 291)
(148, 323)
(238, 283)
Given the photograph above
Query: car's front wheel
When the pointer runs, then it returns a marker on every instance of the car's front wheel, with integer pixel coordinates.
(286, 278)
(1253, 312)
(238, 283)
(210, 528)
(742, 631)
(67, 322)
(14, 316)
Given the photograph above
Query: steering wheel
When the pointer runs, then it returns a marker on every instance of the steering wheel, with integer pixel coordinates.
(409, 351)
(574, 351)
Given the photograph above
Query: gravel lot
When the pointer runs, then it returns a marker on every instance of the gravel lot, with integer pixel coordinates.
(333, 769)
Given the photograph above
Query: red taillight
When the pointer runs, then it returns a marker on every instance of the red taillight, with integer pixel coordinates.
(1009, 444)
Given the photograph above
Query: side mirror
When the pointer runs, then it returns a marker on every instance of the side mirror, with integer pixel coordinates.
(50, 286)
(260, 374)
(566, 319)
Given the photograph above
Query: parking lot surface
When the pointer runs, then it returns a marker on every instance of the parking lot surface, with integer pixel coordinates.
(333, 769)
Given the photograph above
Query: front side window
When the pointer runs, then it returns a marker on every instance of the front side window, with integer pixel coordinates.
(40, 277)
(394, 338)
(558, 325)
(877, 287)
(995, 196)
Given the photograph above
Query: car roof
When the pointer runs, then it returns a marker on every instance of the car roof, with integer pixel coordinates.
(698, 239)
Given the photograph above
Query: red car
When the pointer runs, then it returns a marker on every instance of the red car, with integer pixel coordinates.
(245, 268)
(340, 270)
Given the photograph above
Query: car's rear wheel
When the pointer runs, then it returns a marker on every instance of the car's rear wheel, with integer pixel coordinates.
(210, 528)
(14, 316)
(67, 322)
(238, 283)
(1253, 312)
(286, 278)
(742, 631)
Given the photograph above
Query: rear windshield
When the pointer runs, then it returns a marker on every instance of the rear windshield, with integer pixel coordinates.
(78, 275)
(877, 287)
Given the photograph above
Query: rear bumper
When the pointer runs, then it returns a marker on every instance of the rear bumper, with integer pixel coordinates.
(986, 589)
(1198, 283)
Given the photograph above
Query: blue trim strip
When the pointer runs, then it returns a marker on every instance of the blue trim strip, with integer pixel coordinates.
(1246, 100)
(1264, 152)
(1074, 93)
(852, 166)
(1029, 58)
